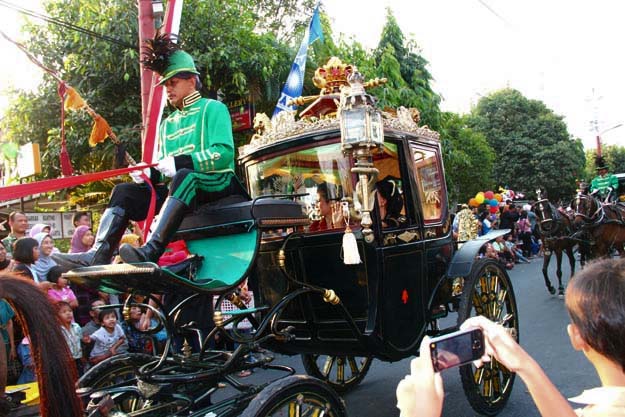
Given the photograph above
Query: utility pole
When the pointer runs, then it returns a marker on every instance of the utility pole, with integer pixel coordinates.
(146, 31)
(594, 124)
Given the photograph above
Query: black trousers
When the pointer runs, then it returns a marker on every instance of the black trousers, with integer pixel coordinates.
(194, 189)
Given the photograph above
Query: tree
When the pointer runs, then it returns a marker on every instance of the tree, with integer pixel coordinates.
(409, 79)
(532, 145)
(468, 158)
(614, 156)
(232, 56)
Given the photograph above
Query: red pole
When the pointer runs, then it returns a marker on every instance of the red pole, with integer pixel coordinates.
(146, 31)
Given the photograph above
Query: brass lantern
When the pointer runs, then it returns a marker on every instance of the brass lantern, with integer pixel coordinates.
(361, 122)
(362, 133)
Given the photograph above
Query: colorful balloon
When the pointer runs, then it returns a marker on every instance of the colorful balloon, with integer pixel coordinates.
(473, 202)
(498, 197)
(479, 197)
(493, 209)
(493, 203)
(489, 195)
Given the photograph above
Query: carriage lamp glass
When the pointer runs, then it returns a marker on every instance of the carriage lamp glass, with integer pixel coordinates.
(361, 126)
(361, 122)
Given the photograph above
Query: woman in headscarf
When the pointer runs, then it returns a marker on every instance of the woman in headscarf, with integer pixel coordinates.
(44, 264)
(39, 228)
(82, 240)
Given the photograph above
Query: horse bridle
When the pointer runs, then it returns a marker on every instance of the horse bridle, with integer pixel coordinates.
(591, 220)
(553, 219)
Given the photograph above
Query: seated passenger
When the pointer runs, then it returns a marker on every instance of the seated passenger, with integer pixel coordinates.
(390, 201)
(330, 213)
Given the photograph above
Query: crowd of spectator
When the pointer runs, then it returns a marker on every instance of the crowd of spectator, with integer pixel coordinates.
(93, 333)
(519, 246)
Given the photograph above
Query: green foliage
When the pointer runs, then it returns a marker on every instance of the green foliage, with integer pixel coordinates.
(614, 156)
(233, 56)
(532, 145)
(468, 158)
(406, 69)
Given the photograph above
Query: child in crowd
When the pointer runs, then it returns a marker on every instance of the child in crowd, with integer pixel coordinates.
(94, 324)
(597, 329)
(139, 341)
(109, 340)
(71, 332)
(512, 247)
(60, 290)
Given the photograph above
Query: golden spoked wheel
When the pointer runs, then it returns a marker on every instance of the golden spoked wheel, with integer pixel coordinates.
(341, 372)
(488, 292)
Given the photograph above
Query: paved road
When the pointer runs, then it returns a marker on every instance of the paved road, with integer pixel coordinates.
(543, 321)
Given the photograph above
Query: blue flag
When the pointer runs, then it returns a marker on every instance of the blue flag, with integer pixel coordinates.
(295, 81)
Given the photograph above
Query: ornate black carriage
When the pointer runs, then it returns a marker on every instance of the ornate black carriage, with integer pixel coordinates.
(311, 198)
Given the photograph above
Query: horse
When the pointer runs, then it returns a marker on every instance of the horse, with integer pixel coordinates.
(556, 230)
(55, 368)
(604, 222)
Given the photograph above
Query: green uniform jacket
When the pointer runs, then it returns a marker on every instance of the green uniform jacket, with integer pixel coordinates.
(201, 130)
(602, 183)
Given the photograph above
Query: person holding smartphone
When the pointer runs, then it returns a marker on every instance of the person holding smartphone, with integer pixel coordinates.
(597, 329)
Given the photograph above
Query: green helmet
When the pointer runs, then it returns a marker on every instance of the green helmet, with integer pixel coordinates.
(178, 62)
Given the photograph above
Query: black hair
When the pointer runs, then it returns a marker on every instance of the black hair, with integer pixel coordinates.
(390, 189)
(54, 274)
(23, 250)
(78, 215)
(595, 305)
(105, 312)
(329, 191)
(60, 304)
(186, 75)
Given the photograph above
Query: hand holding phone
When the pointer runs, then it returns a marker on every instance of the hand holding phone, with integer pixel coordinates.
(456, 349)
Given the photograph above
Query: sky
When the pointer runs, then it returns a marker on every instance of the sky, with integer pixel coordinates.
(565, 53)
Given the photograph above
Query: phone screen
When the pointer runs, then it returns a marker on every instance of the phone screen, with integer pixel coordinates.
(456, 349)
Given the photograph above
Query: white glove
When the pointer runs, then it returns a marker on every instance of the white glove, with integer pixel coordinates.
(136, 175)
(167, 166)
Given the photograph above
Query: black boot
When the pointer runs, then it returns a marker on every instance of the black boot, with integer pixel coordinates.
(112, 227)
(169, 219)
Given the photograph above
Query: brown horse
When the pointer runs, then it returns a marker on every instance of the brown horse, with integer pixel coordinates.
(56, 372)
(604, 222)
(556, 230)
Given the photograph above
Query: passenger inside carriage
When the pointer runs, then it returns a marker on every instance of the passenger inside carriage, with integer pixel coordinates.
(329, 208)
(390, 202)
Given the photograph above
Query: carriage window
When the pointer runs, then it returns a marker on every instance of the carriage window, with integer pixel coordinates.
(321, 172)
(430, 183)
(389, 187)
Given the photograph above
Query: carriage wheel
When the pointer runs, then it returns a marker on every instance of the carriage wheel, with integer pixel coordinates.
(120, 371)
(488, 292)
(296, 395)
(341, 372)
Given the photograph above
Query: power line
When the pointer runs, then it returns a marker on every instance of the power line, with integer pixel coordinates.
(497, 15)
(64, 24)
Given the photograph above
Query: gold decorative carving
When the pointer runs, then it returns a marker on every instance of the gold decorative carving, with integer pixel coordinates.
(332, 81)
(408, 236)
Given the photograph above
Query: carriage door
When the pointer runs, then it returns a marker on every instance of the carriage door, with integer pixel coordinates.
(401, 291)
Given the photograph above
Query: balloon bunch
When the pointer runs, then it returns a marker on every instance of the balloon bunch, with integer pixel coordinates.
(489, 199)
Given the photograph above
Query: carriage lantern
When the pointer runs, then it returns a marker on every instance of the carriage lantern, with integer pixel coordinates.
(362, 133)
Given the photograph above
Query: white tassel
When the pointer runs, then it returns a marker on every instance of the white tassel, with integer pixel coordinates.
(350, 248)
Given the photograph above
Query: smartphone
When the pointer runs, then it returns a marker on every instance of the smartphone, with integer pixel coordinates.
(456, 349)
